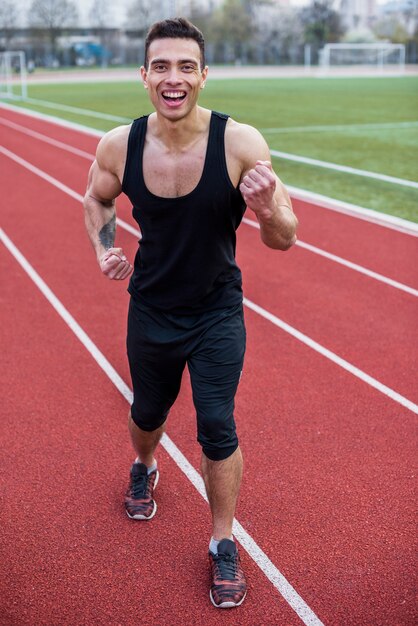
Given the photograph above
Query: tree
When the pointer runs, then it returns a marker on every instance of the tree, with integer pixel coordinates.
(321, 22)
(141, 14)
(52, 16)
(279, 35)
(99, 14)
(232, 24)
(8, 21)
(391, 29)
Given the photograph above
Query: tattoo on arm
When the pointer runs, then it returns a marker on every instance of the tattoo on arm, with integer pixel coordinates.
(107, 233)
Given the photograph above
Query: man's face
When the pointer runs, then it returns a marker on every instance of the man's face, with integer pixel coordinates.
(174, 78)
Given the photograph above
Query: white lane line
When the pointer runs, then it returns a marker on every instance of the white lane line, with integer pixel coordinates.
(346, 263)
(344, 168)
(264, 563)
(352, 369)
(272, 318)
(368, 215)
(78, 110)
(276, 153)
(311, 343)
(59, 185)
(325, 202)
(53, 142)
(341, 128)
(256, 553)
(358, 268)
(134, 231)
(35, 170)
(52, 119)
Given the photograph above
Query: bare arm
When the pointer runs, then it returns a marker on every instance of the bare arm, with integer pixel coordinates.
(264, 192)
(103, 187)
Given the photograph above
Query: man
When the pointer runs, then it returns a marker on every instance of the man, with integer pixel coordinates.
(189, 174)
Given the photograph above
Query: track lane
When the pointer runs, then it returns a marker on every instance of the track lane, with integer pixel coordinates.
(255, 502)
(55, 130)
(71, 555)
(369, 324)
(332, 487)
(380, 249)
(372, 327)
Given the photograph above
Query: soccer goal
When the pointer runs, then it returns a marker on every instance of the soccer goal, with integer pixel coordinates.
(384, 57)
(13, 80)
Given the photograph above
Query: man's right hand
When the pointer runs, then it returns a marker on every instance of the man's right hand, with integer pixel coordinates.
(115, 265)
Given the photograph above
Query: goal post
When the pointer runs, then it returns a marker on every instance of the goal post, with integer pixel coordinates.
(13, 76)
(380, 56)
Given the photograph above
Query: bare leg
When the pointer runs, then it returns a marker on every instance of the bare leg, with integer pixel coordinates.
(222, 482)
(144, 442)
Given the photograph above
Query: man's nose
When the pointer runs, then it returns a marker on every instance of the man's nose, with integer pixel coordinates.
(174, 76)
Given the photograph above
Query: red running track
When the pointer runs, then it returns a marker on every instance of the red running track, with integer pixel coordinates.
(328, 489)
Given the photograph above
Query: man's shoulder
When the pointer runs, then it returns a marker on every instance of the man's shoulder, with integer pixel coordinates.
(242, 132)
(244, 141)
(113, 144)
(116, 136)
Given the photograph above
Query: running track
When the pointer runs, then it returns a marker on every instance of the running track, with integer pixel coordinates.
(328, 492)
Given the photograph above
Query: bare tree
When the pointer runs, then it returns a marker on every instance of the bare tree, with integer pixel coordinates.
(8, 21)
(100, 14)
(52, 16)
(280, 35)
(231, 30)
(141, 14)
(322, 22)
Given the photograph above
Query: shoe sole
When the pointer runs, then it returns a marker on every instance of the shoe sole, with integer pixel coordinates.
(143, 517)
(226, 605)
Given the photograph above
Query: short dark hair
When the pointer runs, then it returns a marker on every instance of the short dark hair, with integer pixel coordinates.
(175, 28)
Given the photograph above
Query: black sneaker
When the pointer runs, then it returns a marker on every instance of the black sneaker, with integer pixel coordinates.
(139, 501)
(229, 586)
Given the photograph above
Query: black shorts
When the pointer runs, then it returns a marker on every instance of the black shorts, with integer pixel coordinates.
(212, 344)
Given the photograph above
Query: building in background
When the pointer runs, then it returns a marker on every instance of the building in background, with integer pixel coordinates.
(358, 14)
(404, 12)
(281, 32)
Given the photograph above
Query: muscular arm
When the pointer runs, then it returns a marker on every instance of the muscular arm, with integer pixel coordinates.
(103, 187)
(264, 192)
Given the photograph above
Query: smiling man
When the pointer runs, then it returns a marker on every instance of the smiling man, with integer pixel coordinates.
(190, 173)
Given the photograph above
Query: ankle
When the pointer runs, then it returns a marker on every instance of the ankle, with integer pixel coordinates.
(222, 533)
(214, 543)
(151, 466)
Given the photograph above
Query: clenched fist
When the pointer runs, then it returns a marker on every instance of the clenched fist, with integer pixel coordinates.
(115, 265)
(258, 187)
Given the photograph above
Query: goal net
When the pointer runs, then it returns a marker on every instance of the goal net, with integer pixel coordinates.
(381, 56)
(13, 81)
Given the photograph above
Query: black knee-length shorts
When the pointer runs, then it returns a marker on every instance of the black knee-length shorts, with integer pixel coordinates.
(212, 344)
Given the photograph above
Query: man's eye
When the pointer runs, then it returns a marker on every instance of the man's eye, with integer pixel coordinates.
(188, 68)
(159, 68)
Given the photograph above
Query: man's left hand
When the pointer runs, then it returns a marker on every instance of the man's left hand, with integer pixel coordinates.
(258, 187)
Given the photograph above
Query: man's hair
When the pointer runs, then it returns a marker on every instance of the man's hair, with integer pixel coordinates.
(175, 28)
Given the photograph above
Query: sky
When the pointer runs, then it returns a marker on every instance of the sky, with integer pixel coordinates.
(118, 9)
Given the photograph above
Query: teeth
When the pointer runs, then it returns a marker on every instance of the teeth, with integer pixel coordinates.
(173, 94)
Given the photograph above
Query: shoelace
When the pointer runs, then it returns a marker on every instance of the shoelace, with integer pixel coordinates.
(226, 566)
(139, 486)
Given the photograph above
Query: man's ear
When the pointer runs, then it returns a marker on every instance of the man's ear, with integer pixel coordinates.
(204, 76)
(144, 76)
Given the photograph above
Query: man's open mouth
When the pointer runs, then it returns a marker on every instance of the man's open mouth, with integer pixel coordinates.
(174, 96)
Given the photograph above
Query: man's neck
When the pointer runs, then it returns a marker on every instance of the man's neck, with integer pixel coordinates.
(179, 134)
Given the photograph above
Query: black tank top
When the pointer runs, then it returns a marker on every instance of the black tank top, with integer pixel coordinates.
(186, 258)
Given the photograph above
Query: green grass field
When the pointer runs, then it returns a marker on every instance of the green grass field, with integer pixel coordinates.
(285, 110)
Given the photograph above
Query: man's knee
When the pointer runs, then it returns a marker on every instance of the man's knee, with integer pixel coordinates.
(147, 421)
(217, 434)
